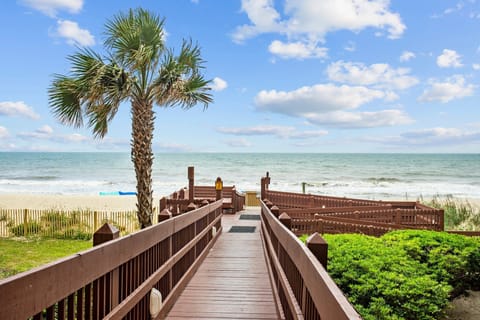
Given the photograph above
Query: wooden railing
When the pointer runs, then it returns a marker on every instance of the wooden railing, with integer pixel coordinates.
(113, 280)
(63, 223)
(304, 288)
(285, 200)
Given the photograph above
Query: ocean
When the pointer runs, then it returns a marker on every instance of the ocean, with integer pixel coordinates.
(369, 176)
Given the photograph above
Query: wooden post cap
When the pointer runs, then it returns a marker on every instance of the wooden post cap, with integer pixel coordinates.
(205, 202)
(319, 247)
(105, 233)
(191, 207)
(275, 210)
(164, 215)
(285, 220)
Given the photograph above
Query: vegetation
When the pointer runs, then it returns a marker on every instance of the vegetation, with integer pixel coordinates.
(137, 68)
(404, 274)
(18, 255)
(75, 224)
(459, 214)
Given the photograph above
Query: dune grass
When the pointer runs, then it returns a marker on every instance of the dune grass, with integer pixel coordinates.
(21, 254)
(459, 214)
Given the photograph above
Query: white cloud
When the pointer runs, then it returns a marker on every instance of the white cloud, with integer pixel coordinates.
(313, 19)
(219, 84)
(17, 108)
(283, 132)
(238, 143)
(330, 105)
(453, 88)
(74, 34)
(476, 66)
(4, 133)
(51, 7)
(297, 50)
(449, 58)
(342, 119)
(380, 75)
(319, 98)
(407, 56)
(432, 136)
(44, 132)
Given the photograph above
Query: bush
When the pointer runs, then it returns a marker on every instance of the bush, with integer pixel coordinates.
(382, 281)
(459, 214)
(33, 228)
(450, 258)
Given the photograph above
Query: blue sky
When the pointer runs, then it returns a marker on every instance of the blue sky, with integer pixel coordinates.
(287, 76)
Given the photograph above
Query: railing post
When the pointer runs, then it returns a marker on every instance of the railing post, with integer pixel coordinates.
(163, 204)
(95, 220)
(275, 210)
(286, 220)
(25, 222)
(191, 183)
(106, 233)
(398, 216)
(319, 247)
(441, 226)
(191, 207)
(165, 214)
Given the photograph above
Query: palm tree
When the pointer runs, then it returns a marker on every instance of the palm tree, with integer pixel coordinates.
(138, 67)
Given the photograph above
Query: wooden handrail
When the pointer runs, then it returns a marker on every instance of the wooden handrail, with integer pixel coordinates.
(329, 301)
(29, 293)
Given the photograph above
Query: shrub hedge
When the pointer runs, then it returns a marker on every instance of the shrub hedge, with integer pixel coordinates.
(404, 274)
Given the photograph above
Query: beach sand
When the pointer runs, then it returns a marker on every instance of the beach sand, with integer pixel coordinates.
(50, 201)
(93, 202)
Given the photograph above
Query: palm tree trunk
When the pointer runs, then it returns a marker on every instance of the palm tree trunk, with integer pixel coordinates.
(142, 158)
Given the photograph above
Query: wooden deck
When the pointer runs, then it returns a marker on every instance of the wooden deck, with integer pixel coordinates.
(233, 281)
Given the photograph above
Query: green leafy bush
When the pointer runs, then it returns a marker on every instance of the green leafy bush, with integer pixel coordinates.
(33, 228)
(450, 258)
(382, 281)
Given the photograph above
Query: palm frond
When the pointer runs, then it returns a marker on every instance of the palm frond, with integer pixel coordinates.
(65, 100)
(135, 38)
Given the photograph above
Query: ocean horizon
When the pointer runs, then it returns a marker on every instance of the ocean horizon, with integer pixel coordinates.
(362, 175)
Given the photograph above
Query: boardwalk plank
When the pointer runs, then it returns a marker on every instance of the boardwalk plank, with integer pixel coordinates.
(232, 282)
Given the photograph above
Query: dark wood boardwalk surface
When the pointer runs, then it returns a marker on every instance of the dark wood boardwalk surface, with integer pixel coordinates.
(233, 281)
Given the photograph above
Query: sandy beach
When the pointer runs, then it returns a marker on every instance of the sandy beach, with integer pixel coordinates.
(93, 202)
(50, 201)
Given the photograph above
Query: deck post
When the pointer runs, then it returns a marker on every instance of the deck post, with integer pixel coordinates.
(275, 210)
(163, 204)
(319, 247)
(286, 220)
(191, 183)
(106, 233)
(165, 214)
(191, 207)
(398, 216)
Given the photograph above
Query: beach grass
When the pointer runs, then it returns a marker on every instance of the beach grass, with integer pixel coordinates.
(460, 214)
(22, 254)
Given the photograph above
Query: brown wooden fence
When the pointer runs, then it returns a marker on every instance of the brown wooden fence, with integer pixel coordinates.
(113, 280)
(63, 223)
(285, 200)
(304, 288)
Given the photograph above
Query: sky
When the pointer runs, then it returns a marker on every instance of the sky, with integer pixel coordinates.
(315, 76)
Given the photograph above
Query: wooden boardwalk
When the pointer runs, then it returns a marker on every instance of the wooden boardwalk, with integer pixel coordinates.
(233, 281)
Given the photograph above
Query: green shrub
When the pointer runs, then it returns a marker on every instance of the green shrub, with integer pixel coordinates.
(33, 228)
(382, 281)
(450, 258)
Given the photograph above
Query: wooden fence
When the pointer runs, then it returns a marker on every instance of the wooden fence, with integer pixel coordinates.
(114, 280)
(304, 288)
(285, 200)
(63, 223)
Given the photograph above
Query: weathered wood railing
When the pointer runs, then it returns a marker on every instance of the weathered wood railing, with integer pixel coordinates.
(304, 288)
(285, 200)
(113, 280)
(179, 201)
